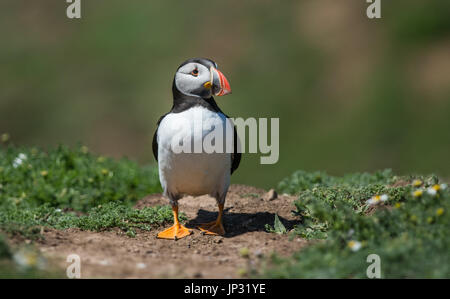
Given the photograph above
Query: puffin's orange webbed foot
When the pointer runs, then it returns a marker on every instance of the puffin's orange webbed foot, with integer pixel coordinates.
(175, 232)
(206, 225)
(213, 228)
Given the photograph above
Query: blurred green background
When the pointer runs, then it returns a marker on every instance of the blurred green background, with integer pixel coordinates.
(352, 94)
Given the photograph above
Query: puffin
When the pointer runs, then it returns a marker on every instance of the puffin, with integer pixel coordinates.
(195, 170)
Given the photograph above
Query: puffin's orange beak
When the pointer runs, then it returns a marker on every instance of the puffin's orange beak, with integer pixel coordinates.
(221, 86)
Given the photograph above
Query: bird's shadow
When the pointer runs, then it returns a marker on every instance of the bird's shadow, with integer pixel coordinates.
(239, 223)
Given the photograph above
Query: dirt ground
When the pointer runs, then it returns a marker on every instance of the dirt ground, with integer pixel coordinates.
(114, 255)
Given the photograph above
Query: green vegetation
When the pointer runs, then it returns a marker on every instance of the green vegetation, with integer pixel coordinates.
(402, 219)
(278, 226)
(75, 179)
(64, 188)
(301, 180)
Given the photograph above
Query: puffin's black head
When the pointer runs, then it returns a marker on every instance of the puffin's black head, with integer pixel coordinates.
(199, 77)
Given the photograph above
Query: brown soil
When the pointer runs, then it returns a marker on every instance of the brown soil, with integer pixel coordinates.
(113, 254)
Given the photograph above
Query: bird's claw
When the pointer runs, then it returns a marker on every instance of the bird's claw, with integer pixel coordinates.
(215, 229)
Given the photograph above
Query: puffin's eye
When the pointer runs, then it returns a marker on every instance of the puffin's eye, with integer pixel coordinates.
(194, 73)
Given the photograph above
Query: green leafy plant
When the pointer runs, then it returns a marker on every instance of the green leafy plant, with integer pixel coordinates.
(402, 219)
(278, 226)
(71, 178)
(64, 188)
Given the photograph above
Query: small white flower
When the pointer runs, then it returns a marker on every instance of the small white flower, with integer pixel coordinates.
(24, 260)
(19, 160)
(28, 259)
(141, 266)
(443, 186)
(431, 191)
(374, 200)
(350, 232)
(354, 245)
(58, 210)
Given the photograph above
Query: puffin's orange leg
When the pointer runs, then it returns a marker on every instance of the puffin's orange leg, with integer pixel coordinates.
(215, 227)
(177, 231)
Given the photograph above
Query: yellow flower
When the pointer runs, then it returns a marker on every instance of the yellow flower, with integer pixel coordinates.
(44, 172)
(105, 171)
(84, 149)
(430, 220)
(417, 193)
(417, 183)
(101, 159)
(398, 205)
(439, 211)
(436, 187)
(413, 218)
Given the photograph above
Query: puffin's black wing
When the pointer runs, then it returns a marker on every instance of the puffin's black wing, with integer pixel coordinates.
(155, 144)
(155, 138)
(236, 155)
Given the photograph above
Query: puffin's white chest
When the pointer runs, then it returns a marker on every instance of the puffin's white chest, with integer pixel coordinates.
(193, 173)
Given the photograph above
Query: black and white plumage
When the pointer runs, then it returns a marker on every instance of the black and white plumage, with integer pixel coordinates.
(195, 173)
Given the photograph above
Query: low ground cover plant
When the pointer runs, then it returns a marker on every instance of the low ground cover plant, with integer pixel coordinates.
(402, 219)
(63, 188)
